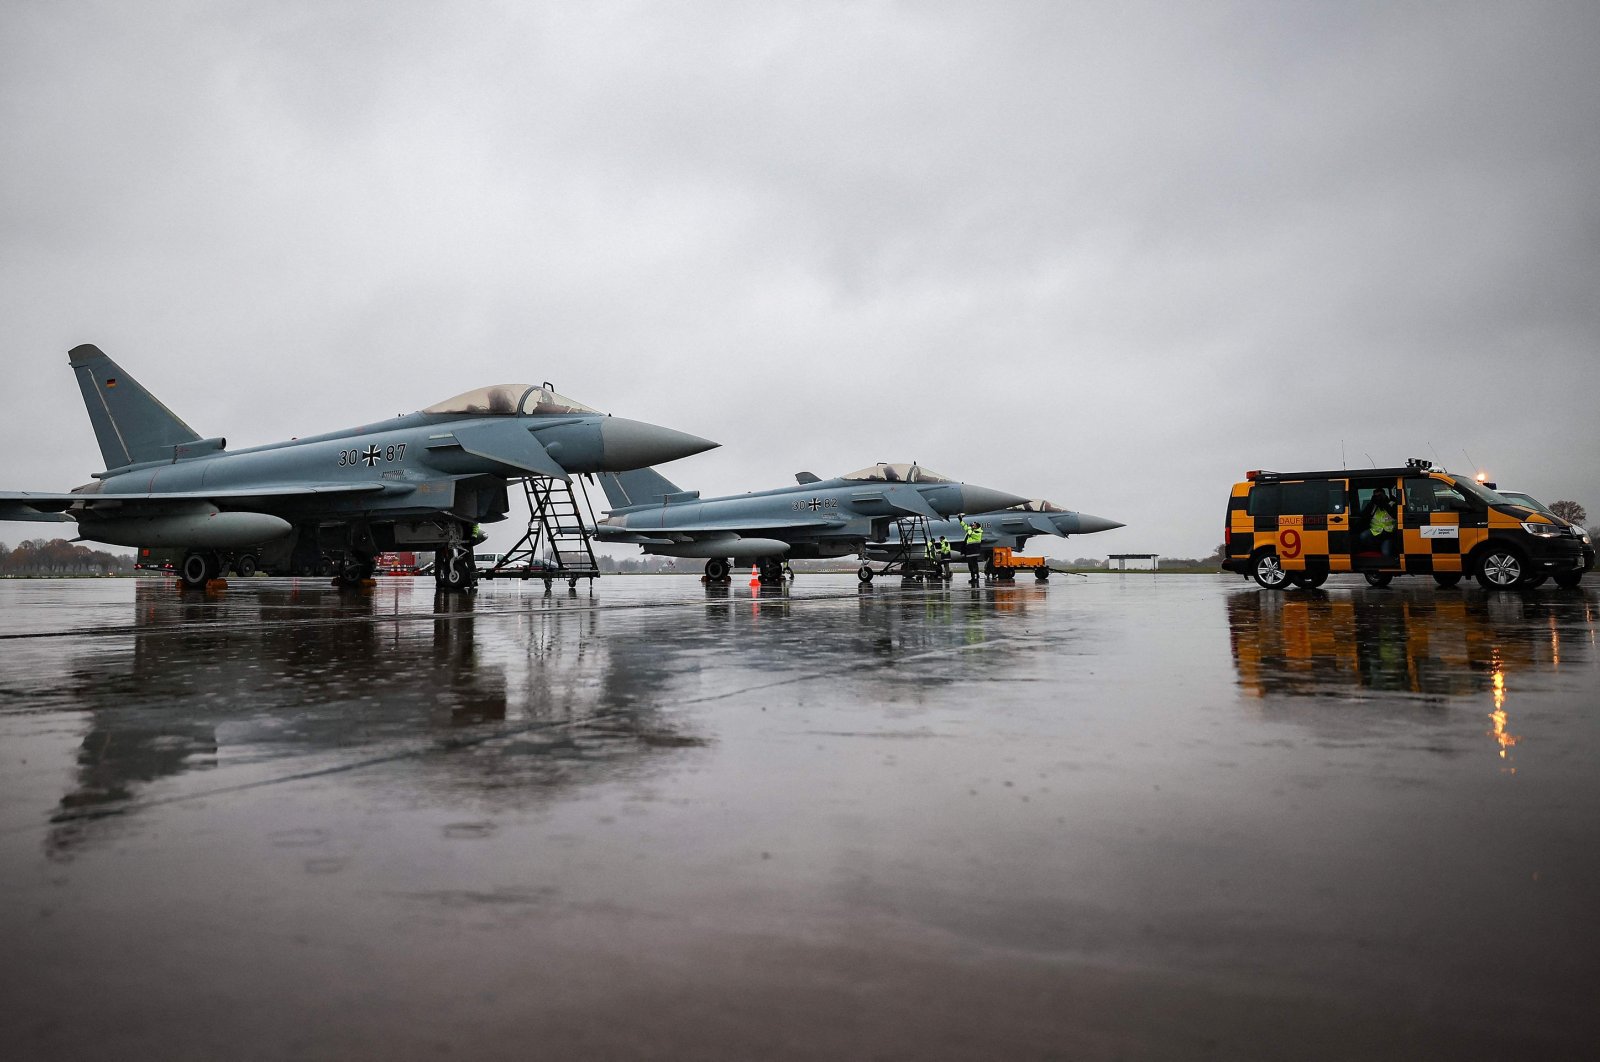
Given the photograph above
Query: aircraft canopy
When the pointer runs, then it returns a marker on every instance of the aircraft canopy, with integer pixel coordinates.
(883, 472)
(1038, 505)
(508, 399)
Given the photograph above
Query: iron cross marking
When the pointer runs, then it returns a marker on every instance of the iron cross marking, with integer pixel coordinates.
(814, 504)
(370, 456)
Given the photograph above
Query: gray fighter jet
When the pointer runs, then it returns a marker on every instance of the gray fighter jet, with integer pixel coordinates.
(1006, 527)
(420, 481)
(815, 518)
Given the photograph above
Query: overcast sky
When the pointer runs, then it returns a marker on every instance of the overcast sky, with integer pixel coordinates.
(1109, 254)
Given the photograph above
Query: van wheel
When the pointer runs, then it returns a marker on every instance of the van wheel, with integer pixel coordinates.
(1378, 580)
(1500, 568)
(1447, 579)
(1309, 580)
(1269, 574)
(1568, 580)
(1533, 582)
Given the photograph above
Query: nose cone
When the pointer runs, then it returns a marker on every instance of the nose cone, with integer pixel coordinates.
(630, 444)
(1088, 525)
(986, 499)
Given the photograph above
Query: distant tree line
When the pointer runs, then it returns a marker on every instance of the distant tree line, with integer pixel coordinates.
(38, 556)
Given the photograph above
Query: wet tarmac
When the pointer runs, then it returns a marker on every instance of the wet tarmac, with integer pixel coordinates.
(1117, 817)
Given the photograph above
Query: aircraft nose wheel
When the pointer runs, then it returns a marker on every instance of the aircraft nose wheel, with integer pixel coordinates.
(454, 569)
(864, 574)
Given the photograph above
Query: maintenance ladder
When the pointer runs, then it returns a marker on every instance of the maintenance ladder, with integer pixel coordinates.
(557, 544)
(912, 559)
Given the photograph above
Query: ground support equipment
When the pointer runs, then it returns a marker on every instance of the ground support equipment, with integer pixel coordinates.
(911, 561)
(557, 543)
(1004, 564)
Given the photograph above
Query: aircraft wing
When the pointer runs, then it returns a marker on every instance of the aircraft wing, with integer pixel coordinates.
(32, 507)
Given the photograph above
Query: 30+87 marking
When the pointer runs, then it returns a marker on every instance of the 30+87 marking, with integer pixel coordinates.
(373, 454)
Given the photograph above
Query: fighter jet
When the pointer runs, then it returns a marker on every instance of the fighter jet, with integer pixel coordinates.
(423, 480)
(814, 518)
(1006, 527)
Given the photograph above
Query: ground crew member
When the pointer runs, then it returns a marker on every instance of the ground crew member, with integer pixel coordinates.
(972, 541)
(1381, 526)
(973, 536)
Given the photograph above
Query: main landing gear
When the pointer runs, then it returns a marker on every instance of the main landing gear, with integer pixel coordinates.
(355, 569)
(200, 567)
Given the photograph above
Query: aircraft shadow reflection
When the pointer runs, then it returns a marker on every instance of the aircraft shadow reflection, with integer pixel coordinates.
(288, 673)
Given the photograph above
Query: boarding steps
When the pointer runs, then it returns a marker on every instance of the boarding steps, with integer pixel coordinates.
(557, 543)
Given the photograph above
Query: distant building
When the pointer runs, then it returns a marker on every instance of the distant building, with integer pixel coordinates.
(1142, 561)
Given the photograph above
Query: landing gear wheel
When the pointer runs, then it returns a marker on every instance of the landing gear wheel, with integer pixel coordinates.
(245, 565)
(1500, 569)
(199, 568)
(1568, 580)
(1309, 580)
(460, 573)
(1378, 580)
(716, 570)
(1447, 579)
(864, 573)
(354, 571)
(1268, 573)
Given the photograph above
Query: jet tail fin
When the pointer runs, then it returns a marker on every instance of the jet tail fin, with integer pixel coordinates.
(130, 423)
(642, 486)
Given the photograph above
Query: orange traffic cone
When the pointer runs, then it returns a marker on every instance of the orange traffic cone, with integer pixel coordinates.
(755, 574)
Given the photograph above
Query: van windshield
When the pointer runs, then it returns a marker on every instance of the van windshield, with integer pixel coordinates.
(1479, 491)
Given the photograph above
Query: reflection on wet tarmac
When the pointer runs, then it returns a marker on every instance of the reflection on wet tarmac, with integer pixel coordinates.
(316, 671)
(1140, 816)
(1438, 644)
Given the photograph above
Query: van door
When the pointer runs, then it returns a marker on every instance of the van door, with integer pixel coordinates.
(1430, 524)
(1370, 551)
(1312, 516)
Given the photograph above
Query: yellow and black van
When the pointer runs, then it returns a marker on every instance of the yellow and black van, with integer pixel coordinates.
(1296, 527)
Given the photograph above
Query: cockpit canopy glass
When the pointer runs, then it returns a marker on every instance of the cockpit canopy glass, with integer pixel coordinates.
(882, 472)
(1039, 505)
(507, 399)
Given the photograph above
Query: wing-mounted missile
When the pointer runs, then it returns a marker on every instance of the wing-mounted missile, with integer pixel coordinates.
(505, 442)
